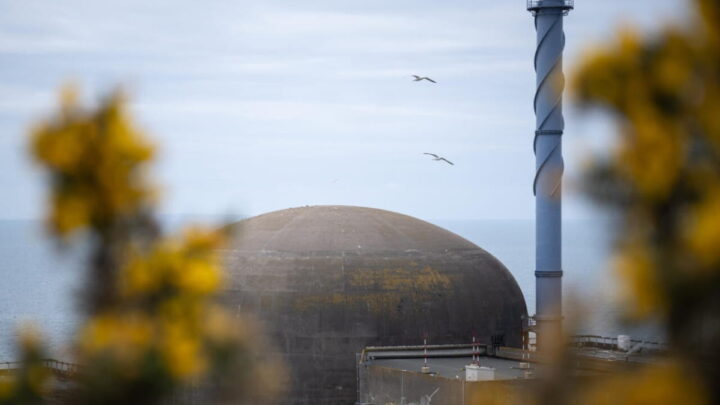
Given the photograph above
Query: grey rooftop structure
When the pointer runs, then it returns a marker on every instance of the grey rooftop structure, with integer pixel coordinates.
(443, 374)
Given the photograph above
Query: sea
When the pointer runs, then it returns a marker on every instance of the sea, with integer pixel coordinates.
(40, 280)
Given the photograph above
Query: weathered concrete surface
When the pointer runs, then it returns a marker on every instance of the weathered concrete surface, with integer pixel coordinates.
(330, 280)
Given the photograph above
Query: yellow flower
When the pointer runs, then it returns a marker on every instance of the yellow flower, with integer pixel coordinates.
(650, 154)
(95, 160)
(199, 239)
(640, 289)
(7, 386)
(123, 337)
(703, 235)
(182, 352)
(139, 278)
(657, 384)
(199, 277)
(71, 210)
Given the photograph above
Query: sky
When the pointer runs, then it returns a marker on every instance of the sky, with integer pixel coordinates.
(261, 105)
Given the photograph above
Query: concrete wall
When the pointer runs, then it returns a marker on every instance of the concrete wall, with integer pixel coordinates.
(387, 386)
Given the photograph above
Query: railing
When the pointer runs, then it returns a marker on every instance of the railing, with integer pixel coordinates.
(602, 342)
(535, 5)
(449, 350)
(550, 3)
(468, 349)
(512, 353)
(61, 368)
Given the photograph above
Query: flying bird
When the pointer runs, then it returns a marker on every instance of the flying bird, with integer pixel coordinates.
(436, 157)
(418, 78)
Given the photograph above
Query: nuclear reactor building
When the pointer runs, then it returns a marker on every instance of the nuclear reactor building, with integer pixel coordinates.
(328, 281)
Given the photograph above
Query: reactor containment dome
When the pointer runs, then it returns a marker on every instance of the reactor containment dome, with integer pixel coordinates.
(328, 281)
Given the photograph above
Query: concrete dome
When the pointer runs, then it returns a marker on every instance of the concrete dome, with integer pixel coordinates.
(330, 280)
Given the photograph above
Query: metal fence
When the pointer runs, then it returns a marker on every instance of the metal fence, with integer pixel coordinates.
(611, 343)
(534, 4)
(566, 5)
(58, 367)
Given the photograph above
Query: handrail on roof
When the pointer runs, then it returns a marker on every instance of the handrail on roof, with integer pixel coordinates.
(550, 3)
(566, 5)
(52, 364)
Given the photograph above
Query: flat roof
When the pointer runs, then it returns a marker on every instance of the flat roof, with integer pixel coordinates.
(449, 361)
(454, 367)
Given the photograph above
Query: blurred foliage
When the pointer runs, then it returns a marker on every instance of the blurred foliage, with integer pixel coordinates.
(31, 384)
(665, 383)
(95, 161)
(154, 332)
(663, 177)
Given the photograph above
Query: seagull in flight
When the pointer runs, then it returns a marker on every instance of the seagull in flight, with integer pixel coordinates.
(436, 157)
(419, 78)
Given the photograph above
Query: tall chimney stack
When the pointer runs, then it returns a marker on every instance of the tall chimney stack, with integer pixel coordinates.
(547, 185)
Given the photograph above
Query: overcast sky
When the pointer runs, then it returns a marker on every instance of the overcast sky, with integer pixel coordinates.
(260, 105)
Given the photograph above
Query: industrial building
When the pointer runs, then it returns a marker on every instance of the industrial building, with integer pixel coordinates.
(478, 373)
(328, 281)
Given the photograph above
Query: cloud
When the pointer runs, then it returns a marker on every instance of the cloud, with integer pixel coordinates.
(23, 98)
(307, 86)
(294, 111)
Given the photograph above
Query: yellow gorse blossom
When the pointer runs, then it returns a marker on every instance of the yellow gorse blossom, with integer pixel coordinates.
(121, 339)
(667, 383)
(665, 92)
(30, 383)
(190, 266)
(640, 289)
(702, 235)
(664, 177)
(182, 351)
(153, 325)
(167, 291)
(652, 154)
(96, 161)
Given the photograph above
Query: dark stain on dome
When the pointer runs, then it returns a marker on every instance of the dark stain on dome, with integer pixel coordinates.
(330, 280)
